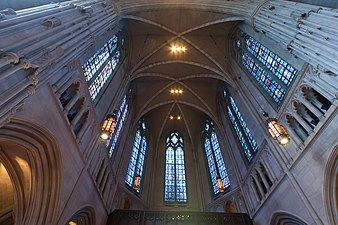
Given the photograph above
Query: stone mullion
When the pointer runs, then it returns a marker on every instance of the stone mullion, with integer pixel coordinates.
(310, 107)
(242, 130)
(78, 116)
(72, 102)
(268, 169)
(258, 184)
(267, 186)
(255, 191)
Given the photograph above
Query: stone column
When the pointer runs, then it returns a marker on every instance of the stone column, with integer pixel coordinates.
(263, 178)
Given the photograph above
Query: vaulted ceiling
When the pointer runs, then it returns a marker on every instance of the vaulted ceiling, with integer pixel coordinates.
(154, 69)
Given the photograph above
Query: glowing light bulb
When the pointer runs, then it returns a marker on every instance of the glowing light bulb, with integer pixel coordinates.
(171, 117)
(178, 117)
(180, 91)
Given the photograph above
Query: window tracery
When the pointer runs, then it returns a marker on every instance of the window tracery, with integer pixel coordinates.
(214, 156)
(242, 131)
(175, 180)
(138, 154)
(99, 68)
(120, 120)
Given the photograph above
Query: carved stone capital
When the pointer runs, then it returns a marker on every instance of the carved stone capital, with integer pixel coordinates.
(51, 22)
(8, 12)
(25, 63)
(12, 57)
(30, 90)
(33, 79)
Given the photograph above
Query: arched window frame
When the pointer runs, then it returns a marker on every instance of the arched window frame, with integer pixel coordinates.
(172, 187)
(100, 68)
(138, 154)
(243, 133)
(214, 157)
(272, 74)
(121, 117)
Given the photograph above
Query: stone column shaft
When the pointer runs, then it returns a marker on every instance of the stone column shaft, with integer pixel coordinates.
(18, 98)
(78, 117)
(72, 101)
(303, 123)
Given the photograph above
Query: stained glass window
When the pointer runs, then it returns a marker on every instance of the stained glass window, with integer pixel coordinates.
(238, 43)
(281, 69)
(98, 69)
(175, 180)
(137, 157)
(263, 78)
(120, 120)
(243, 124)
(215, 159)
(239, 135)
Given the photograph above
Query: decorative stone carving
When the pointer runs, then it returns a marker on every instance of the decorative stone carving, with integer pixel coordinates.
(51, 22)
(8, 12)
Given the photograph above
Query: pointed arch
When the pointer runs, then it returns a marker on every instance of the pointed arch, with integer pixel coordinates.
(32, 150)
(285, 218)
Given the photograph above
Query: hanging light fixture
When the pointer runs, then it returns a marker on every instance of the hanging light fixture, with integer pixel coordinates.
(107, 127)
(137, 182)
(277, 131)
(220, 185)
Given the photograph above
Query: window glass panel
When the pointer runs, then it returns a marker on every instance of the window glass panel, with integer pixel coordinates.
(281, 69)
(137, 157)
(239, 135)
(175, 180)
(99, 68)
(120, 120)
(244, 126)
(215, 159)
(265, 80)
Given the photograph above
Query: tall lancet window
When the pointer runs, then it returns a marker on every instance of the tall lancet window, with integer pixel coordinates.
(121, 117)
(216, 164)
(270, 71)
(242, 131)
(100, 67)
(135, 169)
(175, 182)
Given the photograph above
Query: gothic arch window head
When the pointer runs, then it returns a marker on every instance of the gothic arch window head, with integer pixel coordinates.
(272, 73)
(136, 163)
(214, 156)
(121, 117)
(100, 67)
(240, 127)
(175, 179)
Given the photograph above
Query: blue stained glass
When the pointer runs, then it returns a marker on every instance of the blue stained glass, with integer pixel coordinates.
(264, 79)
(137, 157)
(120, 120)
(281, 69)
(112, 43)
(251, 139)
(95, 62)
(100, 66)
(175, 180)
(239, 135)
(215, 159)
(238, 43)
(100, 80)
